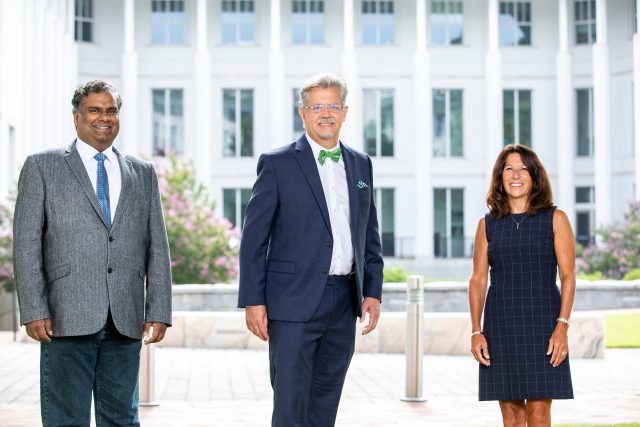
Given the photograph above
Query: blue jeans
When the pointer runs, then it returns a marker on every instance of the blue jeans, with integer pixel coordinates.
(72, 368)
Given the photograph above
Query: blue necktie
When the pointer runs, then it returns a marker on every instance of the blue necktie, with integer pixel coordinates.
(102, 189)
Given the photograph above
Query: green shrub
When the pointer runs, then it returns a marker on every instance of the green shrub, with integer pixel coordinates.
(590, 276)
(395, 275)
(632, 275)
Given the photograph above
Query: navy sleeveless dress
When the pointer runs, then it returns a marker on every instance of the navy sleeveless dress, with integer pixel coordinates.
(522, 305)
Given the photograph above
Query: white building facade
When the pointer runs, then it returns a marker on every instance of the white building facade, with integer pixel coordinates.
(437, 88)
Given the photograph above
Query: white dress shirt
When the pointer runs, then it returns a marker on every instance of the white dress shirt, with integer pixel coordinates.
(110, 164)
(333, 177)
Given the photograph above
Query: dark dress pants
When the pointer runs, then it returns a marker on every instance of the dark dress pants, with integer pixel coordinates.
(309, 360)
(72, 368)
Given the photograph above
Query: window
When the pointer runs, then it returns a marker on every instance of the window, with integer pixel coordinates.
(298, 126)
(234, 201)
(238, 17)
(385, 203)
(168, 122)
(307, 21)
(584, 15)
(238, 122)
(378, 121)
(515, 23)
(167, 21)
(517, 117)
(584, 110)
(84, 21)
(585, 215)
(447, 22)
(447, 123)
(448, 223)
(377, 22)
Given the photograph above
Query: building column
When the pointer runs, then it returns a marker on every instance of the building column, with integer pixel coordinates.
(565, 122)
(636, 100)
(351, 131)
(276, 77)
(129, 122)
(493, 92)
(423, 120)
(601, 115)
(203, 152)
(70, 78)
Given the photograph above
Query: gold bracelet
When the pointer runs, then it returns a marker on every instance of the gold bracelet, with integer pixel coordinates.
(564, 320)
(476, 333)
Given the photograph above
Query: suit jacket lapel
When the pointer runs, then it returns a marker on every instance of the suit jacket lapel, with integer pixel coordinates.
(75, 163)
(350, 168)
(304, 156)
(126, 173)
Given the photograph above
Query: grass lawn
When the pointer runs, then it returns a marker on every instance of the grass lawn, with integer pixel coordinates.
(623, 331)
(598, 425)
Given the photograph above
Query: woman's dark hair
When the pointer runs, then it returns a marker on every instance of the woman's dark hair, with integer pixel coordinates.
(541, 196)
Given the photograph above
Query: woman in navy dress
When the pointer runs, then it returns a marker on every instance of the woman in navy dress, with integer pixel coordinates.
(523, 242)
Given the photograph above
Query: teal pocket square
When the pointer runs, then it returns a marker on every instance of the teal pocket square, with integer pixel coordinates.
(361, 185)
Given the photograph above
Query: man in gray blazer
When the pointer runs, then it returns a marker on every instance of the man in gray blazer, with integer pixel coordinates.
(88, 231)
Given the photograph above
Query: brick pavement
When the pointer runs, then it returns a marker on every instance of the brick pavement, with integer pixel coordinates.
(227, 388)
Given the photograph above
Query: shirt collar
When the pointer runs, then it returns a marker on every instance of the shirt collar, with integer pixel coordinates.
(315, 147)
(87, 152)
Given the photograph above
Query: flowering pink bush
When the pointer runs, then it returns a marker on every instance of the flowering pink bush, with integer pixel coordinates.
(6, 248)
(619, 251)
(204, 247)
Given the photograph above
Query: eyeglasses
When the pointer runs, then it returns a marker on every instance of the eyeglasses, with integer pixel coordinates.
(318, 108)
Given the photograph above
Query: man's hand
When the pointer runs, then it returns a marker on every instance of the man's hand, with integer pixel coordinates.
(157, 332)
(256, 317)
(372, 306)
(40, 330)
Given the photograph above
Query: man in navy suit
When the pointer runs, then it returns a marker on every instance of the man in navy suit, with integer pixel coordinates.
(310, 258)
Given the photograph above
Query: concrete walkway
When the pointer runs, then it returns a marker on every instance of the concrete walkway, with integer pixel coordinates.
(200, 387)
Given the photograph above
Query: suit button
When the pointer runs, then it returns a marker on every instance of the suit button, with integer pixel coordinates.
(109, 270)
(329, 244)
(110, 239)
(324, 270)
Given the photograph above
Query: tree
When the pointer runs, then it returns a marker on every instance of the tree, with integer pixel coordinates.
(204, 246)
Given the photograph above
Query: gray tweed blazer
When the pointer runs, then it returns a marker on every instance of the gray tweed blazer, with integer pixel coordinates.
(70, 267)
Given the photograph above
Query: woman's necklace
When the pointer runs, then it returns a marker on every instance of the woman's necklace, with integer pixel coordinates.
(518, 223)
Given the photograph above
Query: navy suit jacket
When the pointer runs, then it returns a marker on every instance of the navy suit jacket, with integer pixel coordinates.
(287, 242)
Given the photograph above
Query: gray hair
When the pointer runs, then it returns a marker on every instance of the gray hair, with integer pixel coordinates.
(93, 86)
(324, 81)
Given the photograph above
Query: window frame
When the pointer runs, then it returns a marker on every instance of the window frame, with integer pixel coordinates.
(448, 24)
(590, 22)
(378, 24)
(235, 16)
(517, 116)
(590, 118)
(306, 20)
(448, 118)
(526, 4)
(162, 18)
(378, 119)
(380, 205)
(81, 19)
(238, 91)
(167, 119)
(239, 212)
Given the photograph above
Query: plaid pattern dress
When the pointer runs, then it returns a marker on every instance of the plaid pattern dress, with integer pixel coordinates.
(520, 312)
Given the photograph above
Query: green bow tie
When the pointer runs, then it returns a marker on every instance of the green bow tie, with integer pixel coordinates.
(333, 155)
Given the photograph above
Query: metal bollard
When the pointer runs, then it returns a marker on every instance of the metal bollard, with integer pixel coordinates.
(414, 343)
(147, 385)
